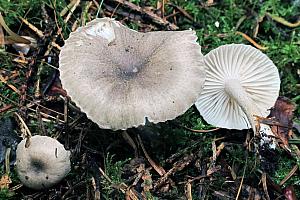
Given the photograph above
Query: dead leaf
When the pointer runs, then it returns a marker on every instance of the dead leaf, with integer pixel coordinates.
(5, 181)
(289, 193)
(283, 113)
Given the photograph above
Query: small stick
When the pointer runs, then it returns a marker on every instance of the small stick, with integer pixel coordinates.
(115, 9)
(67, 8)
(157, 168)
(290, 174)
(25, 130)
(54, 44)
(172, 15)
(184, 12)
(129, 15)
(45, 117)
(73, 188)
(72, 10)
(283, 21)
(7, 155)
(85, 12)
(40, 120)
(130, 141)
(32, 27)
(155, 18)
(2, 41)
(105, 176)
(3, 80)
(37, 92)
(251, 41)
(258, 21)
(5, 108)
(264, 182)
(188, 191)
(241, 184)
(66, 122)
(201, 131)
(177, 166)
(197, 178)
(75, 25)
(96, 189)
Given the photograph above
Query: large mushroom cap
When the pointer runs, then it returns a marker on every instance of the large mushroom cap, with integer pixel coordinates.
(44, 163)
(120, 77)
(239, 79)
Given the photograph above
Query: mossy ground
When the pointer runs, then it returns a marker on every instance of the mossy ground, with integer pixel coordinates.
(169, 144)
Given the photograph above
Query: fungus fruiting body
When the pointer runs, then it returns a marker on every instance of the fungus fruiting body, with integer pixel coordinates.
(240, 82)
(121, 78)
(43, 163)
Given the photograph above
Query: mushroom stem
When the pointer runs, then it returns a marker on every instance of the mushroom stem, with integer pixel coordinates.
(234, 89)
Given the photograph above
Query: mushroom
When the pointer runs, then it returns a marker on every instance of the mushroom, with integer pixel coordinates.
(122, 78)
(43, 164)
(240, 82)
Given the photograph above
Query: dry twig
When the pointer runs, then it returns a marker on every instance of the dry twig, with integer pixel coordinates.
(155, 18)
(251, 41)
(283, 21)
(290, 174)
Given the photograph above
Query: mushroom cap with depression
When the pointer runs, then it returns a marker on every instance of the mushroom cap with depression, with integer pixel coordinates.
(241, 81)
(43, 164)
(121, 78)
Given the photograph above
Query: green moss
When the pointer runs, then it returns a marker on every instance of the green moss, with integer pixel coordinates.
(28, 8)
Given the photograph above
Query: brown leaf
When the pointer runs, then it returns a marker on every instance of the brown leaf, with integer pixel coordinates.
(283, 113)
(5, 181)
(289, 193)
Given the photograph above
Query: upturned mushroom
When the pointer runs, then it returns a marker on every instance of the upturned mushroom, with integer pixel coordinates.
(121, 78)
(241, 82)
(43, 164)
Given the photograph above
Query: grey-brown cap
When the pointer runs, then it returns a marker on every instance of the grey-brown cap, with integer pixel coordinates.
(43, 164)
(119, 77)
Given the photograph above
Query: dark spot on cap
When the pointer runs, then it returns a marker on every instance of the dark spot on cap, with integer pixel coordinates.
(55, 152)
(37, 165)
